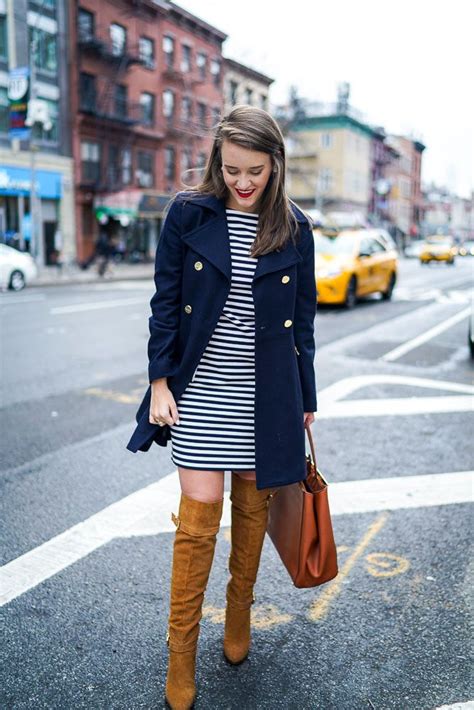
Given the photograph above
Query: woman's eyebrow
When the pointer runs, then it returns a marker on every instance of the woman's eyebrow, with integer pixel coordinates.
(234, 167)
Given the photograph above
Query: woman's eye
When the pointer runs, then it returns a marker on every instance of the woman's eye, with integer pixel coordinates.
(236, 172)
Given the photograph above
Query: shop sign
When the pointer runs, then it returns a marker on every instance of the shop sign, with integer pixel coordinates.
(18, 95)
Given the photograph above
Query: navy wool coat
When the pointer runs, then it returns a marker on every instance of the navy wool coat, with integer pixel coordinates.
(192, 278)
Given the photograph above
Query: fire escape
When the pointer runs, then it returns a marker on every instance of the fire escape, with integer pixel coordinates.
(107, 114)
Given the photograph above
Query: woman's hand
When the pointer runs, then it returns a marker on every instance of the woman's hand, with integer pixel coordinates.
(163, 409)
(308, 418)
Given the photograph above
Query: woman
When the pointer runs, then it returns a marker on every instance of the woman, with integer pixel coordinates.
(231, 372)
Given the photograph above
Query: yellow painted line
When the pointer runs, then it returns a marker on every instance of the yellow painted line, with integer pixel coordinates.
(114, 395)
(262, 616)
(385, 564)
(320, 607)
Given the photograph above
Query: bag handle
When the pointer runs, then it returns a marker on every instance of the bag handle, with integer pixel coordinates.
(311, 442)
(315, 480)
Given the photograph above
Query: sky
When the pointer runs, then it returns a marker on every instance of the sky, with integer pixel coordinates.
(409, 63)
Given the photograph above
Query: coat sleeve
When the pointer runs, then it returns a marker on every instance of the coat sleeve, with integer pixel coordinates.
(166, 301)
(305, 312)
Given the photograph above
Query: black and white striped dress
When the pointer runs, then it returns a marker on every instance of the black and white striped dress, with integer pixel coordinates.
(217, 409)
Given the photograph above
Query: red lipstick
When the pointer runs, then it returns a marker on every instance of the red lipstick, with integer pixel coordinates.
(244, 195)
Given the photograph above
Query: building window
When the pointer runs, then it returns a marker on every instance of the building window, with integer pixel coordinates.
(3, 37)
(233, 88)
(87, 92)
(170, 162)
(216, 71)
(201, 62)
(118, 39)
(120, 100)
(147, 52)
(186, 108)
(126, 166)
(113, 166)
(186, 58)
(325, 140)
(264, 101)
(4, 110)
(147, 103)
(45, 50)
(248, 96)
(39, 132)
(325, 180)
(186, 160)
(145, 177)
(168, 49)
(90, 161)
(168, 103)
(85, 25)
(202, 114)
(216, 115)
(201, 160)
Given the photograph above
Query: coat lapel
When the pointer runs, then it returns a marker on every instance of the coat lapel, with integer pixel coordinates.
(211, 240)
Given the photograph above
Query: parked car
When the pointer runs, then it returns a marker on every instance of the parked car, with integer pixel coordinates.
(352, 264)
(17, 268)
(438, 248)
(466, 248)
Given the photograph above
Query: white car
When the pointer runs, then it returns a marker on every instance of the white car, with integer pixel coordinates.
(17, 268)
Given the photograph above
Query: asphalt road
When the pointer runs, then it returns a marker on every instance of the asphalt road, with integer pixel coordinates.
(87, 536)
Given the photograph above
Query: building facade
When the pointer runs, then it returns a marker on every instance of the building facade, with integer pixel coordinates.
(330, 163)
(146, 90)
(243, 85)
(404, 175)
(36, 174)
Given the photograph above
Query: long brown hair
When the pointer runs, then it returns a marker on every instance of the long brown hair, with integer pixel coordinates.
(255, 129)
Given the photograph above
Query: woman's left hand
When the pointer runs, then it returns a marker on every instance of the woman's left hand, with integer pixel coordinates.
(308, 418)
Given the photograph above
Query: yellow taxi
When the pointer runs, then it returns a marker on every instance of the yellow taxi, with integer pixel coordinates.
(438, 248)
(354, 263)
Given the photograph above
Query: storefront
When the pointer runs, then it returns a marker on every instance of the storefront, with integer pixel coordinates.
(15, 210)
(132, 220)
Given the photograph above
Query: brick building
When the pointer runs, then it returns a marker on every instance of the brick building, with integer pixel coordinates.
(404, 174)
(146, 86)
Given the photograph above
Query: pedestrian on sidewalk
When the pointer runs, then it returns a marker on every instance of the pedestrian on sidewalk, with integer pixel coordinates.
(231, 371)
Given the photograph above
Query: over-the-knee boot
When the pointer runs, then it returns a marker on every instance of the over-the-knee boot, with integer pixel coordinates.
(249, 514)
(197, 526)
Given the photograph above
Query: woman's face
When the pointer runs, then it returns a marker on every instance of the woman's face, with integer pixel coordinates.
(246, 173)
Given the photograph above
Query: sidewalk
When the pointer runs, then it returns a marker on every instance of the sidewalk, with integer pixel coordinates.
(71, 274)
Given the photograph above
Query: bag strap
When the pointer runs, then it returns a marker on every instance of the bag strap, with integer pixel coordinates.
(311, 443)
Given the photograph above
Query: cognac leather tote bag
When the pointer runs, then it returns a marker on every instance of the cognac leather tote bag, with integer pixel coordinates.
(300, 526)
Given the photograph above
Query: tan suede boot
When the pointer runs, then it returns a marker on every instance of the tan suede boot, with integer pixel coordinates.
(197, 526)
(249, 513)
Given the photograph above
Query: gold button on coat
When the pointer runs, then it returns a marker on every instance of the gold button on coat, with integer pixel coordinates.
(198, 265)
(288, 323)
(188, 308)
(285, 279)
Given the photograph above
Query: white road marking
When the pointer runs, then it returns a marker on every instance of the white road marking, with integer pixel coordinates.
(344, 388)
(449, 295)
(148, 512)
(396, 406)
(469, 705)
(424, 337)
(78, 307)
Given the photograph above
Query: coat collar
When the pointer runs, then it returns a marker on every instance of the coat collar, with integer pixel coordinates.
(211, 239)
